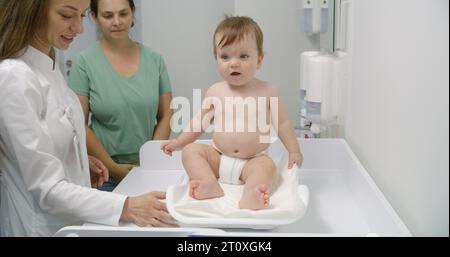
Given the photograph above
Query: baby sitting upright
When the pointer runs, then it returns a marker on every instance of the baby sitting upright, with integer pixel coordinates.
(236, 106)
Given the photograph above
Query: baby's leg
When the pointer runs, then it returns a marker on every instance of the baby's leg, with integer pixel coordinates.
(202, 166)
(258, 174)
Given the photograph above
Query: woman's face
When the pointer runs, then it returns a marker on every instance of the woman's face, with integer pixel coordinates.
(114, 18)
(64, 22)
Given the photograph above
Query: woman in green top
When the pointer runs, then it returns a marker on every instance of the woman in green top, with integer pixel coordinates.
(125, 87)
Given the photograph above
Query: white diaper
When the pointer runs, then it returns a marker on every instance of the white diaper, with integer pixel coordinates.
(230, 170)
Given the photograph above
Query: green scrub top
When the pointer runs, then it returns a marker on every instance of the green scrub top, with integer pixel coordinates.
(123, 109)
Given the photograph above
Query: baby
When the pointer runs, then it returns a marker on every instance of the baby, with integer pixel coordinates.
(237, 154)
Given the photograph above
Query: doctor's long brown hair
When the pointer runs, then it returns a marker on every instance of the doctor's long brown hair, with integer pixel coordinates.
(19, 21)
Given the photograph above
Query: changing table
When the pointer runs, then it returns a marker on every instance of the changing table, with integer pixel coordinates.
(343, 199)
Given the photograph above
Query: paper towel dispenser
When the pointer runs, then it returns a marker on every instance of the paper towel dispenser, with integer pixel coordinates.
(323, 83)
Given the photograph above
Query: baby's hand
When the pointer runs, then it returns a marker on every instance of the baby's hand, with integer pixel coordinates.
(169, 146)
(295, 158)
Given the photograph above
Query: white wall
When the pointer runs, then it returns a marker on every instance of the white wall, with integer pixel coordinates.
(398, 122)
(182, 32)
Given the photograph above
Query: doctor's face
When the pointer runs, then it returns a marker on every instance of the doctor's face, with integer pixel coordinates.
(64, 22)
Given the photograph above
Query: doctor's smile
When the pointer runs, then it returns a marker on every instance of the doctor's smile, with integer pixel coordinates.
(68, 39)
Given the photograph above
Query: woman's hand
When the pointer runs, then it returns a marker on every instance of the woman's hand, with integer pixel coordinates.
(148, 211)
(99, 173)
(295, 158)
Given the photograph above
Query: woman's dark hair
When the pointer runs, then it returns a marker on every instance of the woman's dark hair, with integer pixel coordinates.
(94, 6)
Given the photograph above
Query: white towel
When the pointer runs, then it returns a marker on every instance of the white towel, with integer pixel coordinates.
(288, 203)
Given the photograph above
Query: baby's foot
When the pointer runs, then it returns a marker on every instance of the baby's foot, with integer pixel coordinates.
(200, 189)
(255, 199)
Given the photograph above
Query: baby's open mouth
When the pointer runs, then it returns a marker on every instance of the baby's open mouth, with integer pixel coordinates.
(235, 73)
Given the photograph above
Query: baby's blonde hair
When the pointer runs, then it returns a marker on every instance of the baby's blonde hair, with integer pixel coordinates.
(235, 28)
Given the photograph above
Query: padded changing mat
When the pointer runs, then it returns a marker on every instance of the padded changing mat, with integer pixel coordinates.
(288, 203)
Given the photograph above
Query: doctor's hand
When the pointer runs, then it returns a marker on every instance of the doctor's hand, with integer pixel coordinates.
(99, 173)
(170, 146)
(295, 158)
(147, 211)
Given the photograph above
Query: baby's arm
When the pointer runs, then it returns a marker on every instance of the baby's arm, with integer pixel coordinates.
(194, 129)
(286, 132)
(189, 135)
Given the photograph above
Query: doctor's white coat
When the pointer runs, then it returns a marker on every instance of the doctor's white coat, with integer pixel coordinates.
(43, 159)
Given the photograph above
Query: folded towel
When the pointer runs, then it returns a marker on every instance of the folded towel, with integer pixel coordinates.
(288, 203)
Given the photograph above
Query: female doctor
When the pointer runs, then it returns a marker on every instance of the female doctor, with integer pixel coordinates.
(43, 160)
